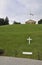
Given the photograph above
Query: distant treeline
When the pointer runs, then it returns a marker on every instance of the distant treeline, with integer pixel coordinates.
(6, 21)
(16, 22)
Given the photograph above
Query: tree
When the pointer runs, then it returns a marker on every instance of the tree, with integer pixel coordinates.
(16, 22)
(6, 21)
(40, 21)
(1, 21)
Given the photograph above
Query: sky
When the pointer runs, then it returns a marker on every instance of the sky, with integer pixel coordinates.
(19, 10)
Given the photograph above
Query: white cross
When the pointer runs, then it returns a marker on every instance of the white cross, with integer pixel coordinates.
(29, 40)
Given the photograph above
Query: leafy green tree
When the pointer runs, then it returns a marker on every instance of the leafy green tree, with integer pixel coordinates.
(1, 21)
(40, 21)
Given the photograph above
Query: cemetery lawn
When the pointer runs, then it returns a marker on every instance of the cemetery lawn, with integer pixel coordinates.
(13, 39)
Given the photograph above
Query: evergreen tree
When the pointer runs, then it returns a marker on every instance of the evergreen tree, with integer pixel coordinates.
(6, 21)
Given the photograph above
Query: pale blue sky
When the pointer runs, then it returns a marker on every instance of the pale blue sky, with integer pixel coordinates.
(19, 10)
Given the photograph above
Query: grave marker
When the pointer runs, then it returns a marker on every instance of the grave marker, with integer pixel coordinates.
(29, 40)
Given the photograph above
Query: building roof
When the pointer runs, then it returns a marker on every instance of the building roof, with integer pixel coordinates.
(30, 21)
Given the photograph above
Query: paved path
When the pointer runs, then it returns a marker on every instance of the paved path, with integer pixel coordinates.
(18, 61)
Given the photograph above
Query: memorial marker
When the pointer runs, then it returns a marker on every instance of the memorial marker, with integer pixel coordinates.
(27, 53)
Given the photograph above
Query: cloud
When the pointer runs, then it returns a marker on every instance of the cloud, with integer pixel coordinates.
(20, 9)
(3, 4)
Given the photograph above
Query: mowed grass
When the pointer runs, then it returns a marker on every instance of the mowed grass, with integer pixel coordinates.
(13, 39)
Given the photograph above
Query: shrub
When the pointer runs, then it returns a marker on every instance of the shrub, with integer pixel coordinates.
(2, 51)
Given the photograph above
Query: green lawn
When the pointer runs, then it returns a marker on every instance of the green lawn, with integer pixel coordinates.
(13, 39)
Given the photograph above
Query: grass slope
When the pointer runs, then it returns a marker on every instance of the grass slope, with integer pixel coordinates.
(13, 39)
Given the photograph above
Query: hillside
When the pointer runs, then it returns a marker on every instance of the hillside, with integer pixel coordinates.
(13, 39)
